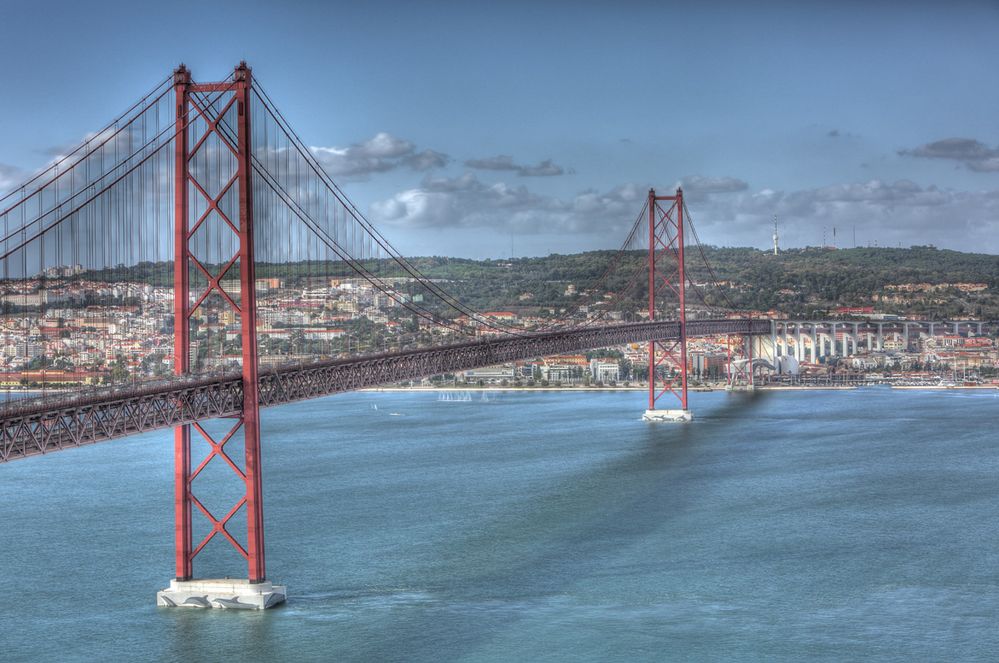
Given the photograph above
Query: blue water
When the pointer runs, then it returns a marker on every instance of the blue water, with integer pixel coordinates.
(539, 527)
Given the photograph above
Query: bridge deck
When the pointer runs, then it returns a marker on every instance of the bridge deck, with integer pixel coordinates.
(61, 423)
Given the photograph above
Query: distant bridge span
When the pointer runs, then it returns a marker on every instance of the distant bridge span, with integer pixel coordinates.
(62, 423)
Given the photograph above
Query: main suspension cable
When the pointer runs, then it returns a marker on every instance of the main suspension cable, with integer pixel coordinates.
(84, 144)
(22, 229)
(375, 234)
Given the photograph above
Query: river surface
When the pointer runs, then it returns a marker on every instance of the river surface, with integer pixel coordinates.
(538, 526)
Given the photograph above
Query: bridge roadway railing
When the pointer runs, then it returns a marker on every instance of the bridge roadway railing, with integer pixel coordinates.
(74, 420)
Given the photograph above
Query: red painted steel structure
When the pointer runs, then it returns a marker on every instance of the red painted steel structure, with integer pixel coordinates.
(665, 241)
(181, 329)
(234, 95)
(29, 428)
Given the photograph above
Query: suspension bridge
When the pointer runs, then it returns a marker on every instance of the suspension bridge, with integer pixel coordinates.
(186, 262)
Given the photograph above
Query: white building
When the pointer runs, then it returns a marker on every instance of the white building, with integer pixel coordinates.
(605, 371)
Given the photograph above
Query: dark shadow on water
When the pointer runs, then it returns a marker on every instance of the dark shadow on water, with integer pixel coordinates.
(612, 505)
(538, 549)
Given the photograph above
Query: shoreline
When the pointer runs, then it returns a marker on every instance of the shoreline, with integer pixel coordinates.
(692, 389)
(927, 387)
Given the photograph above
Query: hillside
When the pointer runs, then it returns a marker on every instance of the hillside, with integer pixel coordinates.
(920, 280)
(917, 281)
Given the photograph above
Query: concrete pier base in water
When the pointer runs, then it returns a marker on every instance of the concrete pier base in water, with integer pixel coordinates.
(673, 416)
(231, 594)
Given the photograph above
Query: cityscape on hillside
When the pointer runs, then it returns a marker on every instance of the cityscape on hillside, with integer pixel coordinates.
(69, 326)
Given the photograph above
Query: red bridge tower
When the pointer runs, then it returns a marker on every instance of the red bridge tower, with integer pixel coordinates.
(667, 359)
(220, 113)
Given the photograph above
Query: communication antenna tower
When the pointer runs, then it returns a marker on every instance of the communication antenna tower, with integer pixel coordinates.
(775, 234)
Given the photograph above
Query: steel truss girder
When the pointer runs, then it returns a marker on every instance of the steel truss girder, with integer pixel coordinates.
(69, 422)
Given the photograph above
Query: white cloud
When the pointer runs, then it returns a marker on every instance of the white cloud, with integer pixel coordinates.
(546, 168)
(381, 153)
(467, 202)
(725, 212)
(973, 154)
(697, 187)
(10, 177)
(888, 213)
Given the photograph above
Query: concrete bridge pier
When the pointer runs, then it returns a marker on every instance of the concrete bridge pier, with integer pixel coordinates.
(229, 594)
(817, 340)
(767, 346)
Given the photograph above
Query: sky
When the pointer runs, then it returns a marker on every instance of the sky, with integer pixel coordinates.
(490, 129)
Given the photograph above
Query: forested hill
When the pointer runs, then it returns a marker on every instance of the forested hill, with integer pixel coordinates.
(917, 280)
